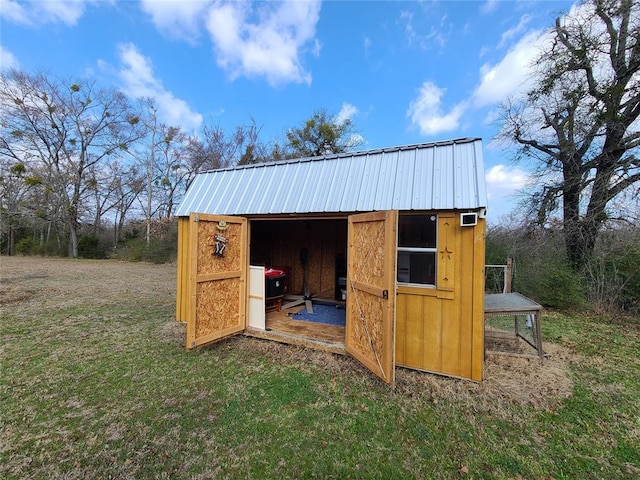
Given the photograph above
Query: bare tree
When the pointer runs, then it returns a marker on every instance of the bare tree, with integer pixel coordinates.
(14, 200)
(215, 149)
(172, 168)
(61, 130)
(127, 183)
(147, 159)
(579, 120)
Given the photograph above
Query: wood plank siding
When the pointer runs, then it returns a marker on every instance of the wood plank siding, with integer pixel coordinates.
(441, 329)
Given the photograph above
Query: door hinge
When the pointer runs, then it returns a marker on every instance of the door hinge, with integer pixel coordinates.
(196, 218)
(385, 294)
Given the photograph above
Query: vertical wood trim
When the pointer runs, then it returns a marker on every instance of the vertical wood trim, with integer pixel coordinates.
(466, 288)
(193, 270)
(446, 251)
(244, 276)
(391, 246)
(182, 277)
(478, 301)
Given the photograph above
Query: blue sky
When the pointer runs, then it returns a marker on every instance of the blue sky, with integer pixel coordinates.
(403, 72)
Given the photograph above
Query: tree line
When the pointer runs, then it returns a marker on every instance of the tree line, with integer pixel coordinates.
(76, 158)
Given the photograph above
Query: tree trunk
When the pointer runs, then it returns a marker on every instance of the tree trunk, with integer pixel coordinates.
(11, 241)
(73, 239)
(571, 212)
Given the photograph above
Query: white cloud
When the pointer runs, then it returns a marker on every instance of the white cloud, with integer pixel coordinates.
(507, 36)
(426, 111)
(14, 12)
(262, 39)
(504, 185)
(346, 113)
(265, 41)
(509, 76)
(503, 181)
(67, 12)
(138, 80)
(38, 12)
(7, 59)
(176, 19)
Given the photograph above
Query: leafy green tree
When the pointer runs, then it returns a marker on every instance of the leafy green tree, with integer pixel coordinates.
(579, 120)
(322, 134)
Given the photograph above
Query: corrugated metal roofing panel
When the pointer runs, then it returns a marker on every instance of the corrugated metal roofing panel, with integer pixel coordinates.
(321, 177)
(351, 190)
(422, 185)
(386, 182)
(252, 183)
(262, 188)
(370, 178)
(404, 176)
(430, 176)
(443, 164)
(478, 163)
(338, 183)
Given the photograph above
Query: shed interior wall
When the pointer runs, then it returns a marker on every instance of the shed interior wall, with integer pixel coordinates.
(278, 244)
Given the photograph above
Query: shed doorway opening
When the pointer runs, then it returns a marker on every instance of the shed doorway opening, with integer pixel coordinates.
(303, 264)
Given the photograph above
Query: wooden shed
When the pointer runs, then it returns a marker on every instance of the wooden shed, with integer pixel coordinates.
(392, 239)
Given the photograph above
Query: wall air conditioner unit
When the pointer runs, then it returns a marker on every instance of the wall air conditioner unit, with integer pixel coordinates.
(468, 219)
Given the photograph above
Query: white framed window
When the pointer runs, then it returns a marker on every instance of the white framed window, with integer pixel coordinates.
(417, 249)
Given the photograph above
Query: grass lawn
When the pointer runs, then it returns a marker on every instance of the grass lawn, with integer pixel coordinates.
(95, 383)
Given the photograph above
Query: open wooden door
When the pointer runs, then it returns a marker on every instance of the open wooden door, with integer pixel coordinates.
(218, 278)
(371, 292)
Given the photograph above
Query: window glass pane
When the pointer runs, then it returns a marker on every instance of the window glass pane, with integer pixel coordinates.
(417, 231)
(417, 267)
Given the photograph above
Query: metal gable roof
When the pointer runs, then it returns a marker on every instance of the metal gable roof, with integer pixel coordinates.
(430, 176)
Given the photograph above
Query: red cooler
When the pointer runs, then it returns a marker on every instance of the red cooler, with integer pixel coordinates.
(274, 282)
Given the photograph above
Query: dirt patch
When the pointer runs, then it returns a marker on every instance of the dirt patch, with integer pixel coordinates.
(12, 294)
(16, 284)
(174, 333)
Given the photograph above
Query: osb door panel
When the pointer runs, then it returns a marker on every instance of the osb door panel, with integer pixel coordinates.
(218, 278)
(371, 280)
